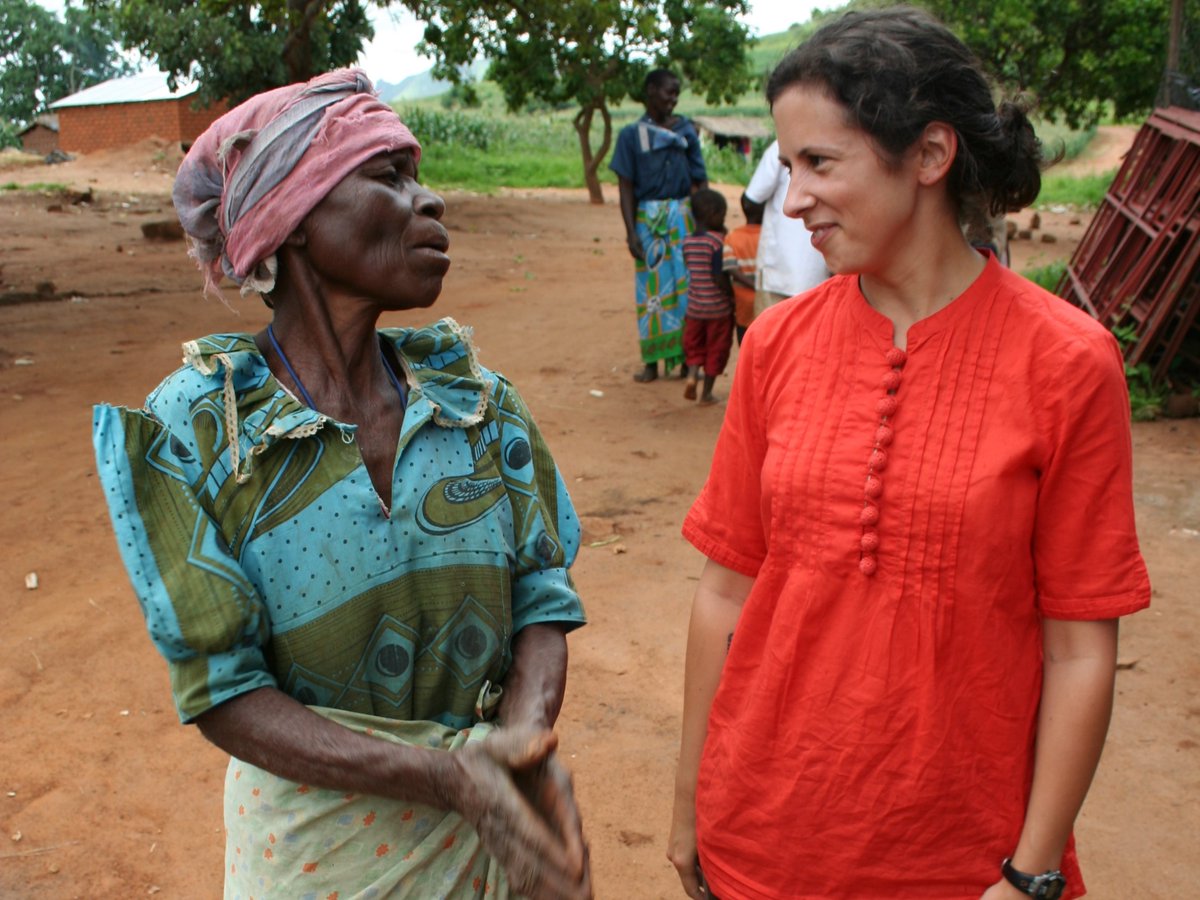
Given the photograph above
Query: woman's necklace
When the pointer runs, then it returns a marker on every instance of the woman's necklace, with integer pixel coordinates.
(300, 384)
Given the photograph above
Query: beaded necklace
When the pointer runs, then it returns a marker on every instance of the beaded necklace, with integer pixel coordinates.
(300, 384)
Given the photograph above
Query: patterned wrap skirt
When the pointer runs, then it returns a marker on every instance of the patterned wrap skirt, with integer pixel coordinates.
(662, 279)
(285, 839)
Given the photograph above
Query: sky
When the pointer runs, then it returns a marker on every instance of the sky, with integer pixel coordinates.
(391, 55)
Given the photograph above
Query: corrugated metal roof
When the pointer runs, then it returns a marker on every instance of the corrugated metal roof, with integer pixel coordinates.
(141, 88)
(733, 126)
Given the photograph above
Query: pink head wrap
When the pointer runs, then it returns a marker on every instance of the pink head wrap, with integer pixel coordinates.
(251, 178)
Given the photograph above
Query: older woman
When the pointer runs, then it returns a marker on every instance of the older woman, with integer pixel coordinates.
(351, 545)
(919, 520)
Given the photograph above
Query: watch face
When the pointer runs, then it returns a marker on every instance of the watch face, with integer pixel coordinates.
(1048, 887)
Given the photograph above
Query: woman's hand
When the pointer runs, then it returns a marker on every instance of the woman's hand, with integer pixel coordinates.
(636, 250)
(681, 846)
(1001, 890)
(518, 797)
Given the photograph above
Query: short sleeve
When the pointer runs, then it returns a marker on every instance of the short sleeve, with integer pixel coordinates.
(726, 521)
(762, 183)
(622, 161)
(203, 614)
(547, 531)
(1088, 565)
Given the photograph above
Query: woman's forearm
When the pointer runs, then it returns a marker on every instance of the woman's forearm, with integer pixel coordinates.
(277, 733)
(1077, 694)
(715, 612)
(534, 686)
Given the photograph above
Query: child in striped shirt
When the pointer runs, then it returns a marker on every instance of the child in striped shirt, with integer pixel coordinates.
(708, 324)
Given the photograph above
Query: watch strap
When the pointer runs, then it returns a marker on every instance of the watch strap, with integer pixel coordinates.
(1046, 886)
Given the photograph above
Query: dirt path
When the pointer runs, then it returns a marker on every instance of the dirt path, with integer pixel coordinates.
(103, 794)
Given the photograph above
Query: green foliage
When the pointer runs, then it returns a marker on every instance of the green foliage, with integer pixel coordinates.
(44, 58)
(1076, 191)
(588, 55)
(434, 128)
(726, 165)
(1059, 137)
(1047, 276)
(236, 50)
(1075, 56)
(9, 134)
(1146, 398)
(482, 151)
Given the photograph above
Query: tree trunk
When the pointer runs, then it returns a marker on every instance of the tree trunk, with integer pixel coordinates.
(592, 161)
(297, 48)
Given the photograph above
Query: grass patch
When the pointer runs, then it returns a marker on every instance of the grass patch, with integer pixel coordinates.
(1056, 136)
(41, 187)
(1075, 191)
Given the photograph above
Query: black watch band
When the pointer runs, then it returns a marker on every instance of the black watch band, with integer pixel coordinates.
(1047, 886)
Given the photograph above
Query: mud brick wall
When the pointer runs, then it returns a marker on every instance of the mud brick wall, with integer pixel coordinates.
(83, 129)
(40, 140)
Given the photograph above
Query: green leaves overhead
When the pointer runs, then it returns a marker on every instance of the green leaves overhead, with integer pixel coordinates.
(1075, 56)
(44, 58)
(236, 50)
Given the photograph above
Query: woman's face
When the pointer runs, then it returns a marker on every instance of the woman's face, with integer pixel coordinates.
(661, 99)
(860, 210)
(378, 235)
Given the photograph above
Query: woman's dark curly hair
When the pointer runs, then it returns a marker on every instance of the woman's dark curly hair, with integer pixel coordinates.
(896, 70)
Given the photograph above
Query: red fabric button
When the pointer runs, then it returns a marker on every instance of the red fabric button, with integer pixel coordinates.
(870, 541)
(878, 461)
(867, 565)
(884, 435)
(874, 487)
(869, 514)
(887, 406)
(896, 358)
(891, 381)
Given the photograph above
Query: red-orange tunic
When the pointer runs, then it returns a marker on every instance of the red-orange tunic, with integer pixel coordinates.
(909, 519)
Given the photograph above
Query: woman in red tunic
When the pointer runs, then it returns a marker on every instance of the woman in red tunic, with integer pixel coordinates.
(919, 520)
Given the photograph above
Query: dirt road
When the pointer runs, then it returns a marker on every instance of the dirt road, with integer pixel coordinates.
(103, 794)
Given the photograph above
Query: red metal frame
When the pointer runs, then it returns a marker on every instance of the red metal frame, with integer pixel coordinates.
(1138, 265)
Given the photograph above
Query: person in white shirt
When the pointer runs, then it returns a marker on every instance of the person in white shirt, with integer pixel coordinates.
(787, 262)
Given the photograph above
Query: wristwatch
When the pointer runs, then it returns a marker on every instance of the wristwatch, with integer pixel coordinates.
(1047, 886)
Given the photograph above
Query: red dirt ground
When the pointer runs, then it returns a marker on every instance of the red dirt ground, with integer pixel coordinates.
(103, 794)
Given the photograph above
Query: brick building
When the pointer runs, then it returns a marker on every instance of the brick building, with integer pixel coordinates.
(123, 111)
(41, 136)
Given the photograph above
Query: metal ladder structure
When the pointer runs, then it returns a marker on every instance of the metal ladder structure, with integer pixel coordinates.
(1137, 268)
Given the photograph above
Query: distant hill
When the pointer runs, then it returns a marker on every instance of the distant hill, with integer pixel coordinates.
(424, 85)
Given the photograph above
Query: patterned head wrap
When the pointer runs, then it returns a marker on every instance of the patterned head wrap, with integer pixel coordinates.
(251, 178)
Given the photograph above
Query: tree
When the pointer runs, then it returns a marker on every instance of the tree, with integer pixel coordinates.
(590, 53)
(234, 49)
(43, 59)
(1074, 56)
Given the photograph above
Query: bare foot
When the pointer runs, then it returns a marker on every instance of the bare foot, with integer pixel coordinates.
(689, 392)
(648, 374)
(707, 400)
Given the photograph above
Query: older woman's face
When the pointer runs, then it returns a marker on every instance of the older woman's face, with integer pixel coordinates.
(378, 235)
